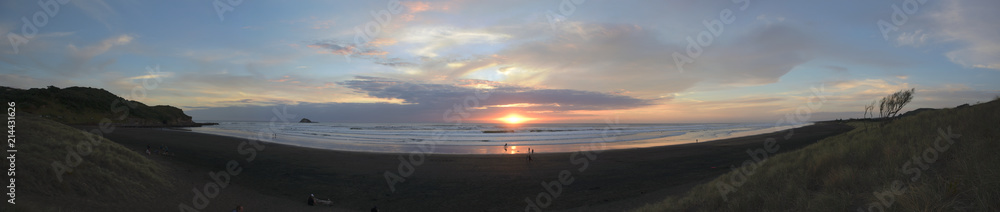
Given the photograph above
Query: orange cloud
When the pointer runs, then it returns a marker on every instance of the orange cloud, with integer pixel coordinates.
(416, 6)
(382, 42)
(285, 78)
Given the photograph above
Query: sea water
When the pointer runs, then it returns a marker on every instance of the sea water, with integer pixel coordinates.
(471, 138)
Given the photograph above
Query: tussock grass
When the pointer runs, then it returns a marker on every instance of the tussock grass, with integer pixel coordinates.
(111, 174)
(843, 172)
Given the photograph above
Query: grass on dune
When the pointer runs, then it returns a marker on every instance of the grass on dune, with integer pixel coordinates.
(846, 171)
(110, 174)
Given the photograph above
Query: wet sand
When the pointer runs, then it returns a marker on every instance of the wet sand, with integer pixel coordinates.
(281, 177)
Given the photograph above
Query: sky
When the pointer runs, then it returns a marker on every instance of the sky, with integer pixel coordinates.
(460, 61)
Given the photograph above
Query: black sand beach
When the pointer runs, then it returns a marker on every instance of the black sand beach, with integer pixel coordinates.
(281, 177)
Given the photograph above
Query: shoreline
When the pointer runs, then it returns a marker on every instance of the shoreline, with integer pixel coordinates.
(496, 147)
(287, 174)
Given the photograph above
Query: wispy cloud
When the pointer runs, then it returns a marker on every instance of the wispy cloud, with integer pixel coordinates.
(970, 24)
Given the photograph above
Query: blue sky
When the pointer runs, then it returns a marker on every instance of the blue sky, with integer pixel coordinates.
(557, 61)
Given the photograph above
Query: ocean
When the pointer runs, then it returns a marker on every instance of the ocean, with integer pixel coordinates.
(479, 138)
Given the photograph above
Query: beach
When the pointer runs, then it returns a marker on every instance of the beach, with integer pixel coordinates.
(281, 177)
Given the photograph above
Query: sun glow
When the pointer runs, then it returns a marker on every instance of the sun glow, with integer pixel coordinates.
(514, 119)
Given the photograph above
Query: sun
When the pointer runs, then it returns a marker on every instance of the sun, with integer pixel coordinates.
(514, 119)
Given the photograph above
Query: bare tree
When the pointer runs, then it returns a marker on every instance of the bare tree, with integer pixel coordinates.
(869, 110)
(890, 105)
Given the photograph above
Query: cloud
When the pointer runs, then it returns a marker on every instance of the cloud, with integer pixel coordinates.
(624, 56)
(971, 24)
(380, 42)
(606, 57)
(333, 47)
(416, 6)
(851, 95)
(761, 56)
(99, 10)
(499, 94)
(324, 112)
(836, 68)
(368, 51)
(869, 86)
(151, 76)
(915, 39)
(426, 102)
(394, 62)
(770, 19)
(78, 57)
(88, 52)
(610, 57)
(56, 34)
(430, 40)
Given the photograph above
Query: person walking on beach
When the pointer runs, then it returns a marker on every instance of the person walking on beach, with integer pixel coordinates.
(529, 155)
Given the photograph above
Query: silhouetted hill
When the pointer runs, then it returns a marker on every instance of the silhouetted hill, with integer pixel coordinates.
(920, 110)
(930, 160)
(104, 177)
(84, 105)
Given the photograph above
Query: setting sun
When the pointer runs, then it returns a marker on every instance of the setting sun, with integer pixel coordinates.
(514, 119)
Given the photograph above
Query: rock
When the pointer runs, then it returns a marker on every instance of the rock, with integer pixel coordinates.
(305, 120)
